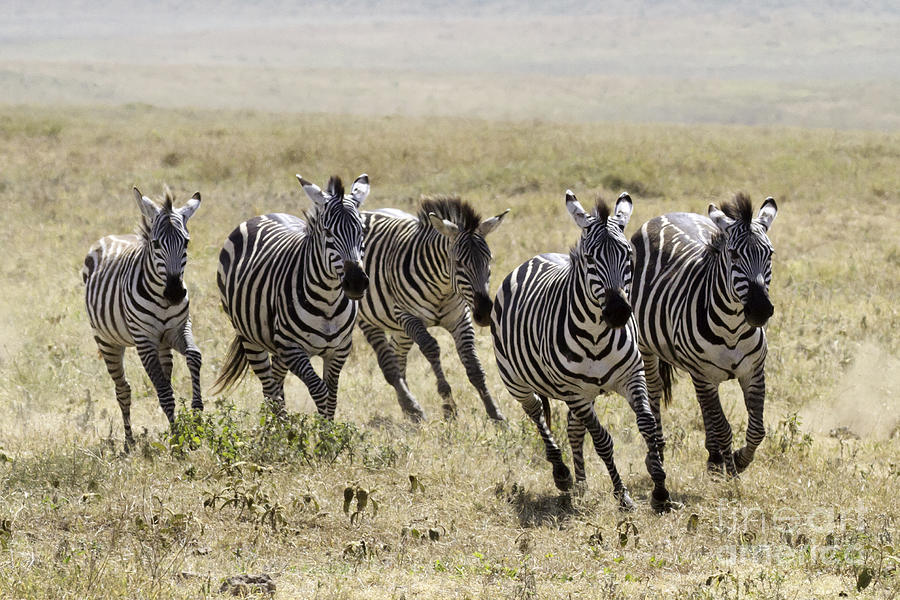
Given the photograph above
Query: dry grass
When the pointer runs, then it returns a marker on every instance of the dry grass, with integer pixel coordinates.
(77, 519)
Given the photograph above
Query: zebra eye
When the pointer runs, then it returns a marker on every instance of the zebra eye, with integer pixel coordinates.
(156, 245)
(733, 254)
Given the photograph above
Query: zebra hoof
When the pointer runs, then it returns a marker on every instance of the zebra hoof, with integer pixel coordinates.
(562, 477)
(742, 460)
(626, 504)
(496, 415)
(580, 487)
(661, 503)
(715, 469)
(416, 416)
(449, 411)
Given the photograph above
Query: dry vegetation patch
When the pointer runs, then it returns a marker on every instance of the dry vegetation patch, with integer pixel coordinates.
(373, 507)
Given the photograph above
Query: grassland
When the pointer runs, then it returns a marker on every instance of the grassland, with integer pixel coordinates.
(465, 509)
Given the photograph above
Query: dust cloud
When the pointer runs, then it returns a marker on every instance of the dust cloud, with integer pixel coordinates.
(866, 401)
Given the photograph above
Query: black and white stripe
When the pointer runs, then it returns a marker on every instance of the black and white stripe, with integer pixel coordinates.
(701, 298)
(135, 296)
(290, 289)
(426, 271)
(562, 328)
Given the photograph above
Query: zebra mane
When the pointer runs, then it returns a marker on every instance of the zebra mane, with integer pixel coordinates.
(143, 228)
(450, 208)
(335, 187)
(739, 209)
(600, 212)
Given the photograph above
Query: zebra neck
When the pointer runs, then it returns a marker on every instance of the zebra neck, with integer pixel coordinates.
(432, 263)
(584, 307)
(725, 310)
(314, 269)
(148, 274)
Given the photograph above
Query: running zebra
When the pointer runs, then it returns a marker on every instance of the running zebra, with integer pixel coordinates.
(135, 296)
(429, 270)
(701, 299)
(290, 289)
(562, 329)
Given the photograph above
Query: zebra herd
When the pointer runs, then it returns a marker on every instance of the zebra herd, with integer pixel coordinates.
(687, 291)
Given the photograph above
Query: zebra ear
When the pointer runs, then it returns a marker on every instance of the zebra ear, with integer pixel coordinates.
(191, 207)
(721, 220)
(313, 191)
(443, 226)
(582, 219)
(624, 207)
(767, 213)
(488, 225)
(148, 207)
(360, 190)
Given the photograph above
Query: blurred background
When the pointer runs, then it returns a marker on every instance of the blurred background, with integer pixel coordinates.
(800, 63)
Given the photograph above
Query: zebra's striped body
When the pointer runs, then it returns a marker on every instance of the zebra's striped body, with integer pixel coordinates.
(290, 289)
(135, 296)
(562, 328)
(430, 270)
(701, 298)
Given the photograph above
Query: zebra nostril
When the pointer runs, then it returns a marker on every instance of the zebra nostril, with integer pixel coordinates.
(616, 309)
(174, 291)
(482, 310)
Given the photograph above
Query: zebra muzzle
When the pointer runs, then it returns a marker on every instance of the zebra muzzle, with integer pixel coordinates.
(616, 309)
(481, 312)
(355, 281)
(175, 290)
(758, 309)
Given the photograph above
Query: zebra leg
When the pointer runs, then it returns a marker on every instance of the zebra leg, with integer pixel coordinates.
(636, 394)
(112, 356)
(165, 361)
(297, 361)
(533, 407)
(273, 389)
(415, 329)
(655, 392)
(603, 444)
(279, 371)
(387, 362)
(718, 430)
(184, 344)
(575, 430)
(464, 337)
(148, 350)
(754, 388)
(332, 363)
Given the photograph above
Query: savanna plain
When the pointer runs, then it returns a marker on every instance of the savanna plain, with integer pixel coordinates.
(372, 506)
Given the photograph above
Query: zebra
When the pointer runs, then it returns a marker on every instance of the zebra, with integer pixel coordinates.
(290, 289)
(562, 328)
(135, 296)
(701, 299)
(429, 270)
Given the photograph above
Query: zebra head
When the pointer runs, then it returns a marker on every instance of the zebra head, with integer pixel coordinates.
(748, 254)
(607, 255)
(165, 230)
(338, 215)
(470, 256)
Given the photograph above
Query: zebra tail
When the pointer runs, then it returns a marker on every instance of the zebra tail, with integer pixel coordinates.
(235, 366)
(667, 375)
